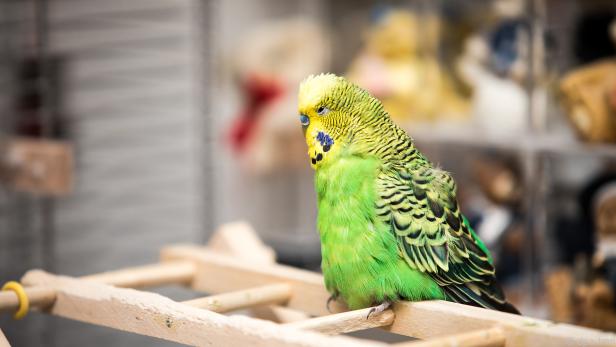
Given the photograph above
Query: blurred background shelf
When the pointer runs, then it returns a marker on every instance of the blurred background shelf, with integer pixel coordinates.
(465, 135)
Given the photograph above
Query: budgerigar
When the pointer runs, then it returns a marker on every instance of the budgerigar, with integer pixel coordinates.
(389, 221)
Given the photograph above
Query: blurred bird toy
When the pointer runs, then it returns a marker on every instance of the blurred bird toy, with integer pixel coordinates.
(493, 63)
(597, 298)
(398, 64)
(589, 94)
(582, 290)
(269, 64)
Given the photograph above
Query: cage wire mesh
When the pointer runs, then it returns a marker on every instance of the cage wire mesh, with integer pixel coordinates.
(132, 75)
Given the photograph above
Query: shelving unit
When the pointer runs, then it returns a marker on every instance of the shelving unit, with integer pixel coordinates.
(544, 144)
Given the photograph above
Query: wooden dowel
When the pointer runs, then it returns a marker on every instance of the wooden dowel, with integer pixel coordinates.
(173, 272)
(39, 297)
(3, 341)
(269, 294)
(492, 337)
(345, 322)
(278, 314)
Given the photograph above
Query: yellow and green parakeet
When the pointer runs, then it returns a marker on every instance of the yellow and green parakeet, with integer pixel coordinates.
(389, 221)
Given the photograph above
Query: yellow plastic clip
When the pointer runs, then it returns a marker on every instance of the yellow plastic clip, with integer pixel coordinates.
(24, 302)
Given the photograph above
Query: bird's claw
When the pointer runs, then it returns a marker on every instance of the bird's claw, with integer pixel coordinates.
(378, 309)
(329, 301)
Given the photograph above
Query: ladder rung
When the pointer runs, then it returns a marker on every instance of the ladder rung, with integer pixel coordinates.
(346, 322)
(258, 296)
(172, 272)
(492, 337)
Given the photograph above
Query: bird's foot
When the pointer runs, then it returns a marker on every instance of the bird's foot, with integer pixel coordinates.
(378, 309)
(329, 301)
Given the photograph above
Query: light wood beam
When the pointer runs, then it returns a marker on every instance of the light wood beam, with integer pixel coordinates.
(3, 341)
(154, 315)
(492, 337)
(241, 299)
(426, 319)
(345, 322)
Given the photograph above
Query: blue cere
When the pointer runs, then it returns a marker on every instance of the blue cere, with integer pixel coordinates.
(324, 139)
(304, 119)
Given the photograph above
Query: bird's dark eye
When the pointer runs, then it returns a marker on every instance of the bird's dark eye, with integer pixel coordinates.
(304, 119)
(322, 110)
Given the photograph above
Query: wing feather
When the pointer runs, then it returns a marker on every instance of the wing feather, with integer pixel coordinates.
(433, 236)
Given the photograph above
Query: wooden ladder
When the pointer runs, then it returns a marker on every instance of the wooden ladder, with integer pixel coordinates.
(288, 305)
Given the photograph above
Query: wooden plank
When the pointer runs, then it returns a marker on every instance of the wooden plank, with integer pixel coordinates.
(3, 341)
(345, 322)
(157, 316)
(427, 319)
(492, 337)
(432, 319)
(241, 299)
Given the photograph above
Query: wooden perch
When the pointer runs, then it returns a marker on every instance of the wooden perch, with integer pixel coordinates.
(244, 275)
(426, 319)
(3, 341)
(345, 322)
(154, 315)
(492, 337)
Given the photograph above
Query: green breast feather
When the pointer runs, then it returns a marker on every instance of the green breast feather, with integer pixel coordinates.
(361, 259)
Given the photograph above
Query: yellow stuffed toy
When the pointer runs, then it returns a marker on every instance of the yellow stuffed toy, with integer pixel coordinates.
(398, 65)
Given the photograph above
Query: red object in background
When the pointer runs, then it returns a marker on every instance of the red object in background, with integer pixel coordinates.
(259, 92)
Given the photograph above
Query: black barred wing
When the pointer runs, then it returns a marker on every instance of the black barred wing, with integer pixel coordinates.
(421, 207)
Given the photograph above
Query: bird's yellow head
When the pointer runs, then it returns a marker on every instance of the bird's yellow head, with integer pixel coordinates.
(334, 114)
